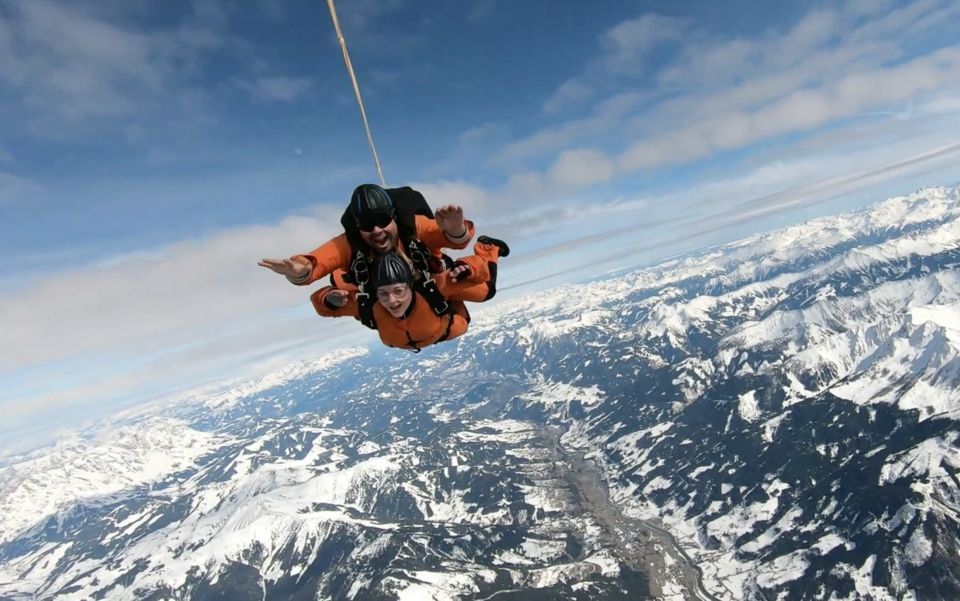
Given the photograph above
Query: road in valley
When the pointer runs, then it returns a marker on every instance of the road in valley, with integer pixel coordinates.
(636, 539)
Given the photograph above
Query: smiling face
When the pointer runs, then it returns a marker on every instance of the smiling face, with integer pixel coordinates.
(395, 298)
(381, 239)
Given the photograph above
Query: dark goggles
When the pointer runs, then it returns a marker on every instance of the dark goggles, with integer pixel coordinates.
(368, 221)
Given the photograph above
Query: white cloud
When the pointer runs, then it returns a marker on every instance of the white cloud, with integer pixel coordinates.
(831, 68)
(813, 31)
(73, 64)
(823, 45)
(626, 48)
(801, 110)
(284, 89)
(860, 8)
(483, 133)
(703, 66)
(813, 170)
(143, 304)
(785, 187)
(75, 67)
(582, 167)
(716, 212)
(606, 116)
(629, 43)
(946, 105)
(231, 353)
(906, 22)
(512, 209)
(474, 199)
(570, 92)
(719, 94)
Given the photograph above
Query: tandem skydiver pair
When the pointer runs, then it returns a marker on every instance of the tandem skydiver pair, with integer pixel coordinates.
(388, 270)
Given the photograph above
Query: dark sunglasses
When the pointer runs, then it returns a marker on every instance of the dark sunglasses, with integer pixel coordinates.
(372, 220)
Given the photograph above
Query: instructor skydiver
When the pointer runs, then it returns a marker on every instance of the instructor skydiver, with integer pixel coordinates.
(376, 223)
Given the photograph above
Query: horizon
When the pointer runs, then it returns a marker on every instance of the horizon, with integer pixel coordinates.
(624, 136)
(241, 383)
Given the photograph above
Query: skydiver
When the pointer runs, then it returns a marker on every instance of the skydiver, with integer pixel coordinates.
(403, 317)
(377, 223)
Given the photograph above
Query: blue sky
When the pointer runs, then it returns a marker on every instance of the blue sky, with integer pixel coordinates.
(151, 152)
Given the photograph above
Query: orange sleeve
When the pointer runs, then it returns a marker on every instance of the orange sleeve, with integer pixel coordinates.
(460, 323)
(479, 273)
(351, 309)
(430, 234)
(326, 258)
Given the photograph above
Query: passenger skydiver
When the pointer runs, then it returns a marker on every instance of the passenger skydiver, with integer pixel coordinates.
(402, 315)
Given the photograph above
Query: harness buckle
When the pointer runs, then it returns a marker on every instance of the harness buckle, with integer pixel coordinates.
(438, 302)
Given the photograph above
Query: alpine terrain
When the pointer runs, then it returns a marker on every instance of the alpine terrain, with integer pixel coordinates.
(772, 419)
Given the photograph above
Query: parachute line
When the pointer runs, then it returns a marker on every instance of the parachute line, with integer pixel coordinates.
(356, 90)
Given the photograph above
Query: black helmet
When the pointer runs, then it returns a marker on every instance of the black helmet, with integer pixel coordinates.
(371, 206)
(393, 269)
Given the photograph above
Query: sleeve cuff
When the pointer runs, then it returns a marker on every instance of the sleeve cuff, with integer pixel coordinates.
(462, 238)
(305, 278)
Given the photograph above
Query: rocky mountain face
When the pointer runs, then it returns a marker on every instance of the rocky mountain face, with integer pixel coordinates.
(772, 419)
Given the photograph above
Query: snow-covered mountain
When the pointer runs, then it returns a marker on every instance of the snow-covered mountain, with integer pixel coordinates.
(772, 419)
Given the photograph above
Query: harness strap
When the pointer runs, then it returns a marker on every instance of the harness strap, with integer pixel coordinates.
(411, 344)
(428, 286)
(446, 333)
(365, 300)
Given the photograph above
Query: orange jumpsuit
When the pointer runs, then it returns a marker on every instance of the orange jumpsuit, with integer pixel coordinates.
(335, 254)
(422, 327)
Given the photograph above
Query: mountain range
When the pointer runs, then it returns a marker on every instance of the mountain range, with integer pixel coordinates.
(770, 419)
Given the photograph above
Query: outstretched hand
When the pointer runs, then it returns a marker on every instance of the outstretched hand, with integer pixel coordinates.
(286, 267)
(450, 220)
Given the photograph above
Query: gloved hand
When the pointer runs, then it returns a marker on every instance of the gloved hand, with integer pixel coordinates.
(459, 271)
